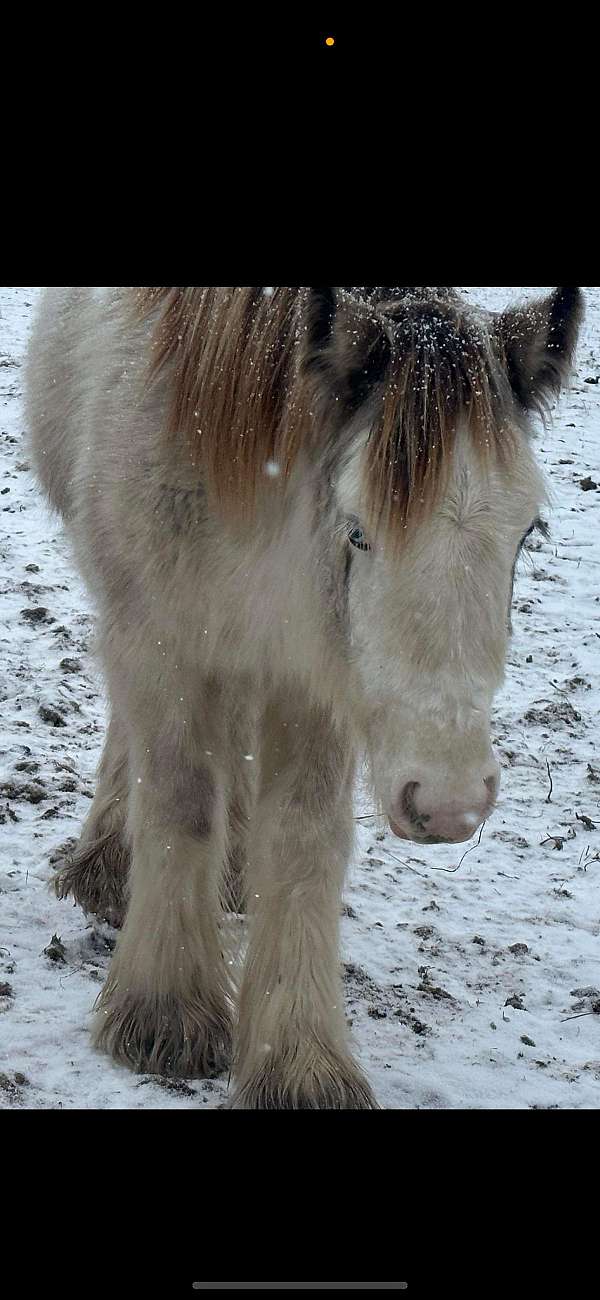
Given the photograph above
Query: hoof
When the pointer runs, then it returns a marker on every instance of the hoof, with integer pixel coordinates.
(179, 1038)
(95, 875)
(327, 1085)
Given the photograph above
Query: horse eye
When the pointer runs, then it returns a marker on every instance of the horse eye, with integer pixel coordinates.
(357, 537)
(539, 526)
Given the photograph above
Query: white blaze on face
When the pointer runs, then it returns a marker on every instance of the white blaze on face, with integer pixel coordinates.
(429, 625)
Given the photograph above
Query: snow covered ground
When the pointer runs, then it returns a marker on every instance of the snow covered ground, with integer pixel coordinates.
(472, 981)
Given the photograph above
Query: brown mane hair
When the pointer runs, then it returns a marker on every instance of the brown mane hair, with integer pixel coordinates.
(442, 372)
(258, 373)
(232, 353)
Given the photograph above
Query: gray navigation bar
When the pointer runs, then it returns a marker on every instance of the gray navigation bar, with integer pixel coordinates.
(300, 1286)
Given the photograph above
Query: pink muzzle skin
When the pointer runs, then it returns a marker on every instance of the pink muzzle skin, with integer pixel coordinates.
(414, 818)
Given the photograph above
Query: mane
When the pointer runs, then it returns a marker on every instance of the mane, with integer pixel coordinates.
(443, 373)
(233, 357)
(247, 392)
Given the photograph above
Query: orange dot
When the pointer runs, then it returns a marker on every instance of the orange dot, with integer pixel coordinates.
(330, 41)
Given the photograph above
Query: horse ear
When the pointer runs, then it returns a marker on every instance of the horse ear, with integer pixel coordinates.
(538, 342)
(346, 347)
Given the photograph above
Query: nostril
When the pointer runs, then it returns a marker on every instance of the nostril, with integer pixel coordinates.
(407, 800)
(409, 808)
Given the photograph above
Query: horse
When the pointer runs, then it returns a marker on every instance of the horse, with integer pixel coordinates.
(298, 512)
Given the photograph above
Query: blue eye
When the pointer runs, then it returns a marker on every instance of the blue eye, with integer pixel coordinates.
(357, 537)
